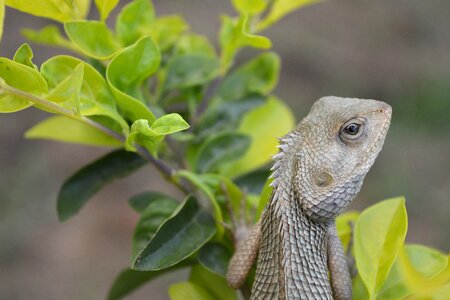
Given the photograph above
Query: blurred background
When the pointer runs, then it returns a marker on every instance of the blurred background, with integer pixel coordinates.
(396, 51)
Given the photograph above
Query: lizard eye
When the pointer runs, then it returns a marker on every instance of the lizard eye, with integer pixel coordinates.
(352, 129)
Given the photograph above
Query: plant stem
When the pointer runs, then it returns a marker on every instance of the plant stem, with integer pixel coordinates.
(53, 107)
(167, 172)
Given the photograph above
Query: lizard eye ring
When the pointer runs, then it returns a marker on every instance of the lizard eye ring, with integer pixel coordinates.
(352, 129)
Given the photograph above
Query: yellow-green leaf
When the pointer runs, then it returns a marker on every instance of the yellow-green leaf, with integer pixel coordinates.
(2, 16)
(419, 272)
(134, 20)
(93, 38)
(70, 131)
(24, 55)
(344, 228)
(194, 43)
(234, 34)
(169, 124)
(264, 125)
(380, 232)
(150, 136)
(58, 10)
(96, 98)
(280, 8)
(105, 7)
(216, 286)
(21, 77)
(127, 70)
(250, 6)
(67, 92)
(188, 291)
(49, 35)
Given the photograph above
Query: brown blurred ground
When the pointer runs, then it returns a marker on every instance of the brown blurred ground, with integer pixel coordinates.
(397, 51)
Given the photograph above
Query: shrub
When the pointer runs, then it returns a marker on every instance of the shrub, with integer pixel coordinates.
(161, 94)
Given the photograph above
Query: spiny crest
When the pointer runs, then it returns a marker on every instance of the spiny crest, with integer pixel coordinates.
(286, 144)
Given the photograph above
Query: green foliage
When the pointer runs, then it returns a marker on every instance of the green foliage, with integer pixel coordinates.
(79, 188)
(177, 238)
(378, 241)
(162, 93)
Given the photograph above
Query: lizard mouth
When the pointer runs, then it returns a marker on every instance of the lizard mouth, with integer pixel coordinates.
(377, 144)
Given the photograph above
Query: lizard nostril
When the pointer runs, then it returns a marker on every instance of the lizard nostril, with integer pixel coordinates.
(323, 179)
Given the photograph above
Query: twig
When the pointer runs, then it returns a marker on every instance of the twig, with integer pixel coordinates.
(167, 172)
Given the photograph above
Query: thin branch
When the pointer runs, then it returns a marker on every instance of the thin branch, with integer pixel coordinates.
(167, 172)
(53, 107)
(209, 93)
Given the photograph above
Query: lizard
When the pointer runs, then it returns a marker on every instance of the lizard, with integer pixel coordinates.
(319, 169)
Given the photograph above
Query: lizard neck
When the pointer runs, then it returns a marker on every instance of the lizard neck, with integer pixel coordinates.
(302, 258)
(303, 252)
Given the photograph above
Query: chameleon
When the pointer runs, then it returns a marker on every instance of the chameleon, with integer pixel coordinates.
(319, 169)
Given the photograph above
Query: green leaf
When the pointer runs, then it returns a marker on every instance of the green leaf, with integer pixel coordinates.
(2, 17)
(234, 35)
(280, 8)
(190, 70)
(67, 92)
(169, 124)
(67, 130)
(188, 291)
(263, 124)
(167, 30)
(359, 291)
(426, 261)
(216, 286)
(258, 76)
(199, 182)
(344, 228)
(133, 20)
(93, 38)
(424, 287)
(194, 43)
(215, 258)
(130, 280)
(227, 188)
(96, 98)
(24, 56)
(179, 237)
(57, 10)
(82, 185)
(49, 35)
(125, 73)
(225, 116)
(254, 182)
(379, 234)
(150, 136)
(250, 6)
(140, 201)
(220, 150)
(105, 7)
(23, 78)
(156, 212)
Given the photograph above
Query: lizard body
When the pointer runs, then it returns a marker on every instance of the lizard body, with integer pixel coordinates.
(319, 170)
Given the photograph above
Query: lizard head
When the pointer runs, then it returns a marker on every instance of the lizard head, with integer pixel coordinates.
(339, 141)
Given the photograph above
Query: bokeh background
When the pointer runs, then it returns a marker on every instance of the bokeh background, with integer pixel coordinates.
(396, 51)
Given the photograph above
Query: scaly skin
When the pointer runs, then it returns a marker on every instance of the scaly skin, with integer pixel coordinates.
(319, 170)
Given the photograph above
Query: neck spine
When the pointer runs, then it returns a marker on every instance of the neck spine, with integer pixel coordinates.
(303, 241)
